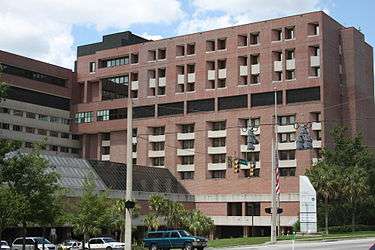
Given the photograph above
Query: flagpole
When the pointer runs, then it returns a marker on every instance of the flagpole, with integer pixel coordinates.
(273, 173)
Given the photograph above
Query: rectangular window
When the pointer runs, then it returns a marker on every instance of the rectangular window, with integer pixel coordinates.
(144, 111)
(190, 49)
(54, 133)
(65, 135)
(187, 128)
(221, 125)
(303, 95)
(4, 110)
(43, 118)
(64, 149)
(157, 161)
(286, 120)
(114, 62)
(42, 132)
(218, 142)
(287, 171)
(232, 102)
(217, 174)
(254, 38)
(106, 150)
(234, 209)
(218, 158)
(287, 137)
(189, 175)
(287, 155)
(17, 112)
(102, 115)
(187, 160)
(252, 209)
(186, 144)
(84, 117)
(157, 146)
(30, 130)
(55, 119)
(92, 67)
(175, 108)
(17, 128)
(74, 150)
(201, 105)
(53, 148)
(5, 126)
(289, 32)
(158, 130)
(267, 98)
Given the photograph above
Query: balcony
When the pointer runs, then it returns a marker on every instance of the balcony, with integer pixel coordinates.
(191, 77)
(180, 79)
(185, 152)
(314, 61)
(106, 157)
(211, 74)
(216, 133)
(162, 81)
(278, 66)
(290, 64)
(152, 82)
(134, 140)
(286, 145)
(286, 128)
(156, 138)
(288, 163)
(185, 167)
(243, 70)
(224, 220)
(257, 165)
(134, 85)
(222, 73)
(106, 143)
(316, 126)
(134, 154)
(217, 166)
(185, 136)
(256, 131)
(158, 153)
(317, 144)
(255, 69)
(244, 148)
(217, 150)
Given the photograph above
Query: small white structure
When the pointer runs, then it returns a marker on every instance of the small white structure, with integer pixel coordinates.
(307, 206)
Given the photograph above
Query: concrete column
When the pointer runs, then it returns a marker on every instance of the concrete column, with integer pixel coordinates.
(245, 231)
(85, 92)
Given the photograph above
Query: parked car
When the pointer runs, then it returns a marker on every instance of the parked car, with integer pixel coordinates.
(70, 245)
(173, 239)
(31, 242)
(104, 243)
(4, 245)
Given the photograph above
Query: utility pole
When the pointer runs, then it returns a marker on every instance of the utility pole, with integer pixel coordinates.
(273, 176)
(129, 172)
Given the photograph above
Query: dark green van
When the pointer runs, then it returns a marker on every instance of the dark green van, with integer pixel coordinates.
(168, 239)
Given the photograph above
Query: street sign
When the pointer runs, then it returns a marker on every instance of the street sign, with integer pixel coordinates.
(242, 161)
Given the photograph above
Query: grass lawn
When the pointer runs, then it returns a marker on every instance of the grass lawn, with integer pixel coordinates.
(260, 240)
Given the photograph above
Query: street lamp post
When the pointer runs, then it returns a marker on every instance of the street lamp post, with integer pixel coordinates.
(129, 173)
(273, 176)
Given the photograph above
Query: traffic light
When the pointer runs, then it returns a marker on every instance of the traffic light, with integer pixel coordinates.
(251, 139)
(251, 168)
(129, 204)
(236, 165)
(268, 210)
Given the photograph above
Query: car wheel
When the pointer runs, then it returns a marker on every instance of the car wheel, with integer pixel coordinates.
(188, 246)
(108, 248)
(153, 247)
(200, 248)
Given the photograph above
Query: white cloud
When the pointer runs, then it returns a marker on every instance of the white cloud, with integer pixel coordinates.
(42, 29)
(218, 14)
(151, 37)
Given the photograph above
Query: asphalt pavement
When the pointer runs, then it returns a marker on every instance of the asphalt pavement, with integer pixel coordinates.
(355, 244)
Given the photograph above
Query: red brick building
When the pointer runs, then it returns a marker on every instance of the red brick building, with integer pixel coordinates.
(194, 93)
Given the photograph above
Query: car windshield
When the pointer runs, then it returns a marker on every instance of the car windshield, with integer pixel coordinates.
(41, 241)
(107, 240)
(183, 233)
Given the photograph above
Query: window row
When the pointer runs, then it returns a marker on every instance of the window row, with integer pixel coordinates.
(32, 115)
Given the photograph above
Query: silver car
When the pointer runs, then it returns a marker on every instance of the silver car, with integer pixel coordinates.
(31, 242)
(4, 245)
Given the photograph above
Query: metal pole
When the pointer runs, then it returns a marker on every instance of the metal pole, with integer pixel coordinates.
(129, 172)
(274, 152)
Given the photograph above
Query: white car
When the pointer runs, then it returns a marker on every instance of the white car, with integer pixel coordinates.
(104, 243)
(70, 245)
(31, 242)
(4, 245)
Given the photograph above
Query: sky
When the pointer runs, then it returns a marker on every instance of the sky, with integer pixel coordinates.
(50, 30)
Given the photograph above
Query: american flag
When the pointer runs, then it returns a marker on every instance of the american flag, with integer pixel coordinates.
(277, 173)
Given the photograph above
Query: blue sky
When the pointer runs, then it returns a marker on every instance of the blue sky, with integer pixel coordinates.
(50, 30)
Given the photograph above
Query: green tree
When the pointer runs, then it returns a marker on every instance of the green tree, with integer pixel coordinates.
(93, 213)
(28, 176)
(118, 211)
(152, 221)
(199, 223)
(10, 203)
(324, 178)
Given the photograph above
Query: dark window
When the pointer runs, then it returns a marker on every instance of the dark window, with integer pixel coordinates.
(36, 76)
(174, 108)
(201, 105)
(175, 235)
(38, 98)
(232, 102)
(218, 174)
(287, 171)
(189, 144)
(187, 160)
(144, 111)
(303, 95)
(117, 113)
(75, 137)
(252, 209)
(187, 128)
(189, 175)
(234, 209)
(267, 98)
(287, 155)
(115, 87)
(155, 235)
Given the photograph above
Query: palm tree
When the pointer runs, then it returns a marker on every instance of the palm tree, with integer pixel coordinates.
(119, 214)
(324, 178)
(199, 223)
(355, 188)
(152, 222)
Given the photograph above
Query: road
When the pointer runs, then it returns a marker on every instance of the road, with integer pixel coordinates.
(356, 244)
